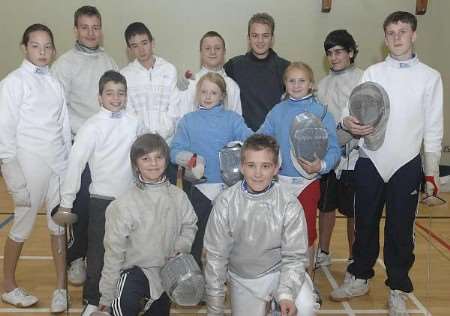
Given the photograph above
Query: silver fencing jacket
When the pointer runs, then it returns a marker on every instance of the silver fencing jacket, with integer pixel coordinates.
(79, 73)
(143, 228)
(252, 235)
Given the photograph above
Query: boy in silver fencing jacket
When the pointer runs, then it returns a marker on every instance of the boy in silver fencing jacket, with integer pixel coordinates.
(256, 239)
(147, 225)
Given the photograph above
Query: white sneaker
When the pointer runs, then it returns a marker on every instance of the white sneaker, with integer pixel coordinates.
(397, 303)
(323, 259)
(59, 301)
(352, 287)
(77, 272)
(89, 309)
(19, 298)
(317, 298)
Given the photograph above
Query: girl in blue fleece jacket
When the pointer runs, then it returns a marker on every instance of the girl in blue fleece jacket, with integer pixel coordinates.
(199, 137)
(299, 80)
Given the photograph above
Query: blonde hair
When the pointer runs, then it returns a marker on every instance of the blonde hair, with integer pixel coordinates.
(214, 78)
(298, 65)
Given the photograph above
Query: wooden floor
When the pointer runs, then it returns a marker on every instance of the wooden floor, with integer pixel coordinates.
(430, 274)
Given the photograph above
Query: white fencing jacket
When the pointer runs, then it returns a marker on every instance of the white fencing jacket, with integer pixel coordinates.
(103, 142)
(416, 112)
(34, 117)
(334, 91)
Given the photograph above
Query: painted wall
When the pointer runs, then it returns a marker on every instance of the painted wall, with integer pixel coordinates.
(178, 25)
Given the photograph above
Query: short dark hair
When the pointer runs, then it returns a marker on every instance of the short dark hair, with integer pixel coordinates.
(212, 34)
(401, 16)
(111, 75)
(341, 38)
(86, 10)
(34, 28)
(137, 28)
(262, 18)
(259, 142)
(145, 144)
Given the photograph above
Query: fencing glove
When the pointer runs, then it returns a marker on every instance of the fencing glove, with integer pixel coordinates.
(183, 80)
(431, 169)
(16, 183)
(193, 163)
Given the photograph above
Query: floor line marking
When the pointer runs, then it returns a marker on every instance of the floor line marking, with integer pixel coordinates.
(412, 297)
(204, 311)
(347, 308)
(200, 311)
(79, 310)
(365, 311)
(6, 221)
(34, 310)
(434, 236)
(33, 257)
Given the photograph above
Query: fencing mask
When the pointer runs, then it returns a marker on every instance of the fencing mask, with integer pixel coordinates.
(369, 103)
(230, 160)
(182, 280)
(308, 137)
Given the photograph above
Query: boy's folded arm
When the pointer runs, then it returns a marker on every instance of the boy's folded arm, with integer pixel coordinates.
(218, 243)
(216, 305)
(184, 241)
(294, 248)
(80, 153)
(215, 277)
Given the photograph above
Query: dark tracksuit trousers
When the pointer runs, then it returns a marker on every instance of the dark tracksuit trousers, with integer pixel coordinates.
(95, 250)
(400, 195)
(202, 207)
(133, 293)
(78, 247)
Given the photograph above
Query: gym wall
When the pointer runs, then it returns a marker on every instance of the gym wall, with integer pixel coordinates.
(177, 26)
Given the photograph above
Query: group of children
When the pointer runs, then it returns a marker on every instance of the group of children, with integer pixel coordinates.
(110, 156)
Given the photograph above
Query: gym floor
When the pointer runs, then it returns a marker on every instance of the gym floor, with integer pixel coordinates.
(430, 274)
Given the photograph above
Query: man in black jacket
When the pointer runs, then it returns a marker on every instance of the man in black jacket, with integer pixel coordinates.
(259, 73)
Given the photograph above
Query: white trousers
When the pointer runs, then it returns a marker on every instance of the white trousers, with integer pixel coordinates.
(253, 296)
(44, 186)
